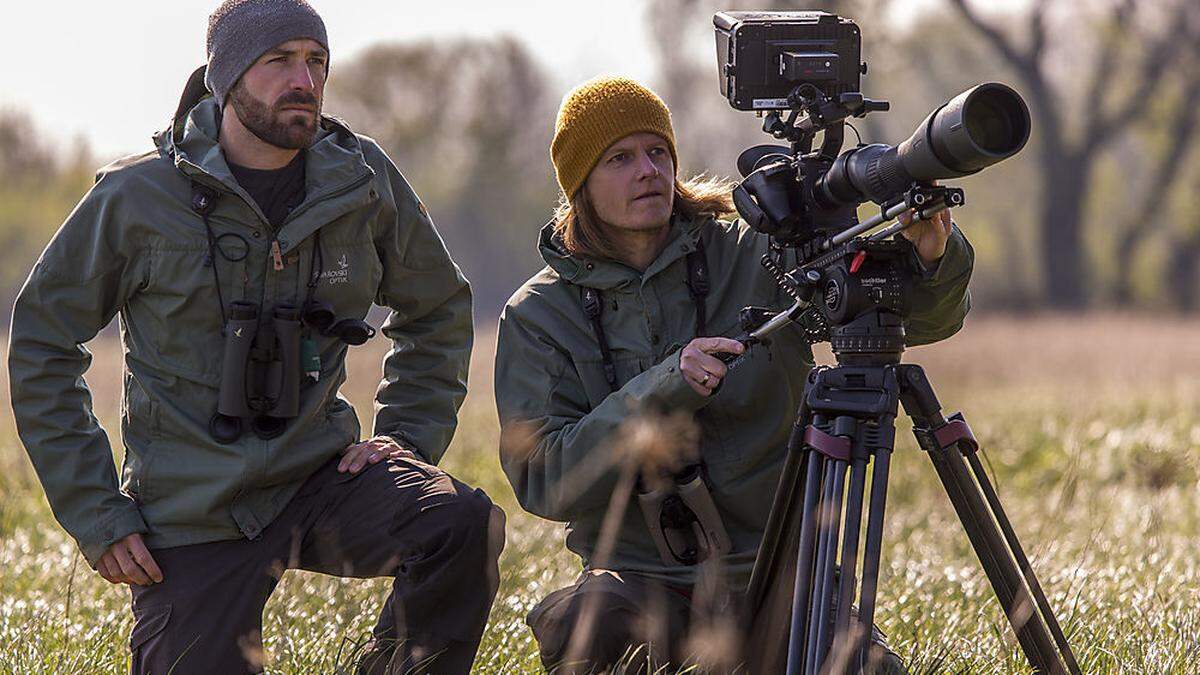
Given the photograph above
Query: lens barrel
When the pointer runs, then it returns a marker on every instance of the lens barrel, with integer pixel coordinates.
(240, 332)
(287, 364)
(974, 130)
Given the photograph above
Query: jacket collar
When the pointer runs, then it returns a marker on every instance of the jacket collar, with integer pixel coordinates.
(336, 171)
(603, 274)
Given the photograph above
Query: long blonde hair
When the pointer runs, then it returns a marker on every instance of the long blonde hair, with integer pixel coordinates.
(579, 228)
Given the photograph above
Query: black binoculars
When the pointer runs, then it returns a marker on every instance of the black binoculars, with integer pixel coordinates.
(319, 316)
(260, 373)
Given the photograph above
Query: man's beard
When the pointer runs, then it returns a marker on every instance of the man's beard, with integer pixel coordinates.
(265, 121)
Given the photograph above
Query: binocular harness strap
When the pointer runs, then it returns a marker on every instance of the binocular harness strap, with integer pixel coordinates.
(693, 513)
(204, 199)
(697, 283)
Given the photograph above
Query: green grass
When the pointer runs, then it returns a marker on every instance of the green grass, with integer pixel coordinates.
(1091, 428)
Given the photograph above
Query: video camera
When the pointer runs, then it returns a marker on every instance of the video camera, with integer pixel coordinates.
(806, 65)
(801, 71)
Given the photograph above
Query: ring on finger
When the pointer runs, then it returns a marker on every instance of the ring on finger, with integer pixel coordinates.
(704, 380)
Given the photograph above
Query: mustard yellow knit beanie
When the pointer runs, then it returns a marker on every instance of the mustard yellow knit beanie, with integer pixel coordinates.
(595, 115)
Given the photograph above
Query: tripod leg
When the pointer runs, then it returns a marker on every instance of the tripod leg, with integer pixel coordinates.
(850, 542)
(980, 525)
(768, 563)
(831, 523)
(844, 634)
(816, 616)
(873, 548)
(993, 500)
(804, 562)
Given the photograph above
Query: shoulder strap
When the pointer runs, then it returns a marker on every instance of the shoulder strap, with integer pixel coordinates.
(203, 200)
(593, 307)
(697, 283)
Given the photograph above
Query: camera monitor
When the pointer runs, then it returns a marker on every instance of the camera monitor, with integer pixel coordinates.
(763, 56)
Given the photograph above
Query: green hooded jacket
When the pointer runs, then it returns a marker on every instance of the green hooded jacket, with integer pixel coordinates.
(558, 412)
(134, 246)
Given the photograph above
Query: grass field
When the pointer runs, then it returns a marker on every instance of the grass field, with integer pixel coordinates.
(1091, 425)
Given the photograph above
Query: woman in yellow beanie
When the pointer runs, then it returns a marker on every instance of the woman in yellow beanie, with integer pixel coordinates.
(642, 289)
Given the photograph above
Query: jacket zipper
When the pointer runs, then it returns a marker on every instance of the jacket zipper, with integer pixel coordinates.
(276, 255)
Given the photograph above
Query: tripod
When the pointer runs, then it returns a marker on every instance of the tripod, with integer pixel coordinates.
(846, 422)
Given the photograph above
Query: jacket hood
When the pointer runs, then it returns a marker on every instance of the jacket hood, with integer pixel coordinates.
(608, 274)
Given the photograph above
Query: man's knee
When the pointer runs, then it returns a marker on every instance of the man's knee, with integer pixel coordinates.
(465, 528)
(583, 630)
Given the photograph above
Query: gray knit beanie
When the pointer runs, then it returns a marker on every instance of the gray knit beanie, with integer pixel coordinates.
(240, 31)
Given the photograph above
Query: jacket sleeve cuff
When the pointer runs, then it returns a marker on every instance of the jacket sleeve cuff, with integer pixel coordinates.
(665, 386)
(951, 262)
(402, 441)
(128, 520)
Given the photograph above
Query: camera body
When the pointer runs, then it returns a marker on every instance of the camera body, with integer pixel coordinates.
(762, 56)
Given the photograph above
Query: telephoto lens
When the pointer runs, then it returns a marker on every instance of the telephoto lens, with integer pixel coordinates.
(981, 126)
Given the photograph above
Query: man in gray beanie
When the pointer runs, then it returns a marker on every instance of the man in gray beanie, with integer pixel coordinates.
(253, 204)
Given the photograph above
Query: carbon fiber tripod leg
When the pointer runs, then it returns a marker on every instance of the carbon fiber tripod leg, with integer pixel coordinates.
(946, 444)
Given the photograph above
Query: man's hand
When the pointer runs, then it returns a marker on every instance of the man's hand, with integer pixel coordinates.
(700, 369)
(371, 451)
(128, 561)
(929, 237)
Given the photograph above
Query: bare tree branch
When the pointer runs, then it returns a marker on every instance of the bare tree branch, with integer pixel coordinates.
(1157, 62)
(1110, 52)
(1027, 68)
(1037, 33)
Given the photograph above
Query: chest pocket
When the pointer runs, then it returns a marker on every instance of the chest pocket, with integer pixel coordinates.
(345, 274)
(178, 311)
(616, 366)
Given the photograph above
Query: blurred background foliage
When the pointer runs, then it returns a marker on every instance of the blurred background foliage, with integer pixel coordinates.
(1101, 210)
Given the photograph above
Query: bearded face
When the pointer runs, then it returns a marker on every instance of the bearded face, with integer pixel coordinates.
(288, 122)
(278, 98)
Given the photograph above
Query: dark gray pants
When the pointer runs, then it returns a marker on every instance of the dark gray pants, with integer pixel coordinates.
(621, 612)
(400, 518)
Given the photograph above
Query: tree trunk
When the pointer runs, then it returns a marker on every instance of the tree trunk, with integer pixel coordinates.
(1064, 258)
(1123, 285)
(1182, 274)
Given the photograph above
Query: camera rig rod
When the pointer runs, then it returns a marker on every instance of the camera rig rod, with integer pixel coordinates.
(928, 200)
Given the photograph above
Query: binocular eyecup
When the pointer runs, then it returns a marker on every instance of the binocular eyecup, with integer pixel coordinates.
(319, 316)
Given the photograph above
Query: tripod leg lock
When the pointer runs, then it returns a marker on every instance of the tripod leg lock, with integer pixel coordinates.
(837, 447)
(954, 432)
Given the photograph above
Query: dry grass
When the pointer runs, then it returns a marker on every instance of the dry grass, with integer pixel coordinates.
(1090, 425)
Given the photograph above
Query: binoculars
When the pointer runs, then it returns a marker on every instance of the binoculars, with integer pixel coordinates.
(260, 372)
(261, 367)
(683, 520)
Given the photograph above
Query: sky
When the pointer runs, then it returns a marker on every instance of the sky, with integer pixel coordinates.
(111, 72)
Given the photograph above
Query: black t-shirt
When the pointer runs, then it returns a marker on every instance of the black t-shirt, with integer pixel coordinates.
(277, 191)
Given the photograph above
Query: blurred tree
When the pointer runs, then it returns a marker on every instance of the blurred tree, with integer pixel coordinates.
(1136, 47)
(1171, 127)
(39, 185)
(469, 123)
